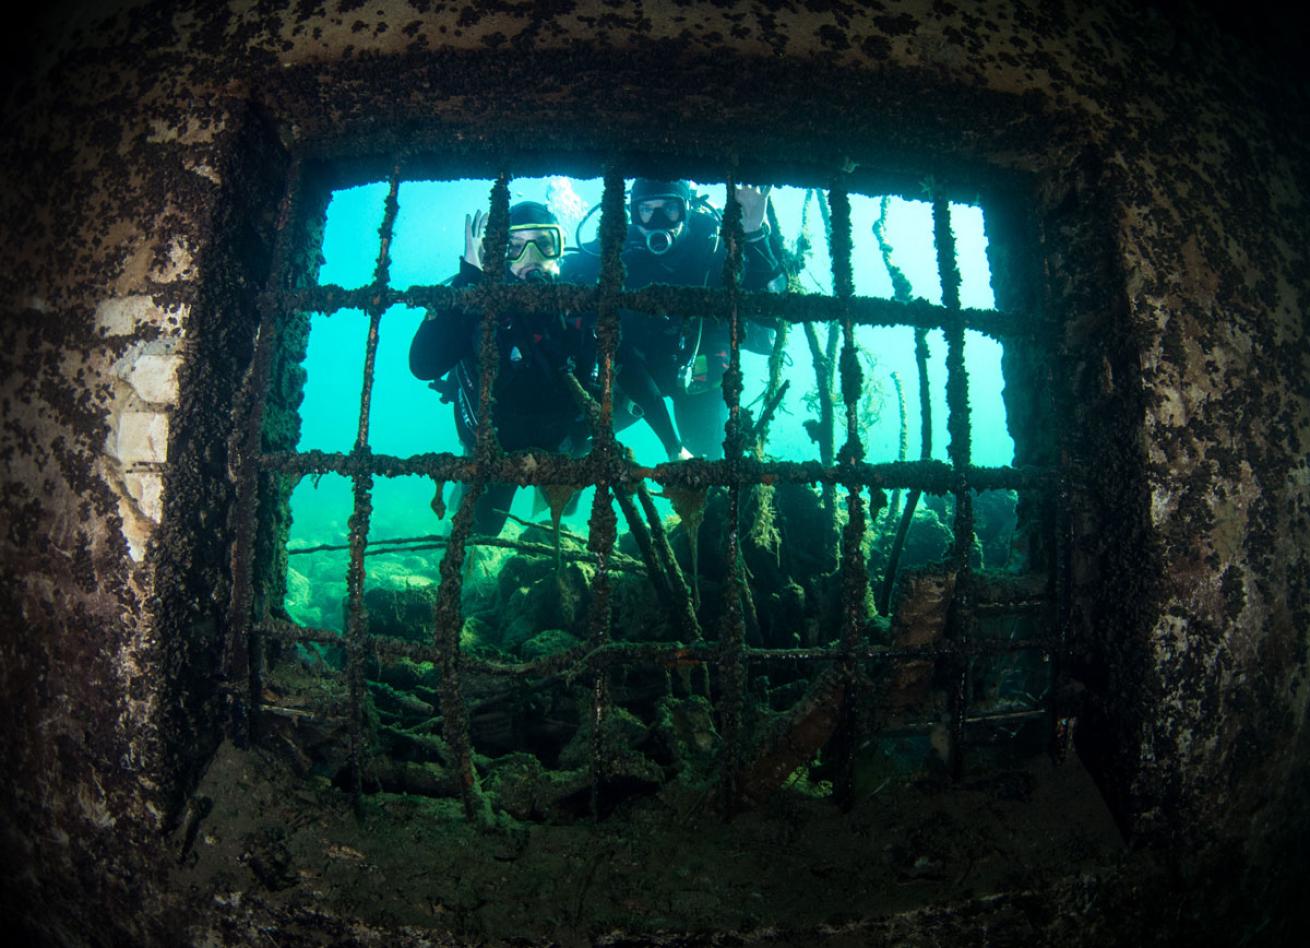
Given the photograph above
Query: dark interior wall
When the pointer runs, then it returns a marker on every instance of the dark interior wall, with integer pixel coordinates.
(145, 149)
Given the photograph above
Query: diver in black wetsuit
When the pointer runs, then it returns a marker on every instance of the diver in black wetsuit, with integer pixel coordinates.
(673, 238)
(535, 407)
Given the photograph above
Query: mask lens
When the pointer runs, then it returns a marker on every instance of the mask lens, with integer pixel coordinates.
(546, 238)
(665, 212)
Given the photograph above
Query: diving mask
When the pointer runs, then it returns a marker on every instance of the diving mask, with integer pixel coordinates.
(662, 212)
(534, 243)
(660, 219)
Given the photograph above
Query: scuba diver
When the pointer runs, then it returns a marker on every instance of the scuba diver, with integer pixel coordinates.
(674, 238)
(534, 404)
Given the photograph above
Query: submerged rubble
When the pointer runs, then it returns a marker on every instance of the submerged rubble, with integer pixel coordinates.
(528, 687)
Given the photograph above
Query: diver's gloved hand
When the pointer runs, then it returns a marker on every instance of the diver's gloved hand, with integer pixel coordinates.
(754, 204)
(475, 228)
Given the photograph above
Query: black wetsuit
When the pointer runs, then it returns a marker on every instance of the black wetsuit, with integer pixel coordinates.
(535, 407)
(658, 355)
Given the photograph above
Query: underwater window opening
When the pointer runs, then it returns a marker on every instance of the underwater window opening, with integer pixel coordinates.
(636, 501)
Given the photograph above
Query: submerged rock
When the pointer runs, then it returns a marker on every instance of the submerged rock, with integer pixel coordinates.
(684, 734)
(405, 612)
(549, 642)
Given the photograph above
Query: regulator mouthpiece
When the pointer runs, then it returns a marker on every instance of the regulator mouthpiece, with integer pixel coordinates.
(659, 242)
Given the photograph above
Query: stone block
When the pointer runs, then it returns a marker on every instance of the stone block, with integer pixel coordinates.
(142, 437)
(153, 376)
(147, 489)
(121, 315)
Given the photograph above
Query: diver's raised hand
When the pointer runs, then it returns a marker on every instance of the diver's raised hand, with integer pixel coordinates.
(754, 203)
(475, 226)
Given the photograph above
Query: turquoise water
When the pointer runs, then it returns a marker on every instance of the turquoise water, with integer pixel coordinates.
(406, 417)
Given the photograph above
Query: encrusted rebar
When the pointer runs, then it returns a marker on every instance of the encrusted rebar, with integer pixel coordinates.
(602, 525)
(649, 301)
(732, 635)
(854, 572)
(960, 616)
(240, 663)
(934, 477)
(449, 622)
(448, 612)
(362, 489)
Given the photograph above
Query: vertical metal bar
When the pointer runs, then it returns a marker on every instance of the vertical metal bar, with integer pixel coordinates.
(1060, 724)
(494, 242)
(673, 572)
(602, 525)
(959, 450)
(448, 614)
(357, 618)
(449, 622)
(241, 658)
(732, 669)
(854, 572)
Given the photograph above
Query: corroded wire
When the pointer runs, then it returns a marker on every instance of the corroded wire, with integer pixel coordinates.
(960, 617)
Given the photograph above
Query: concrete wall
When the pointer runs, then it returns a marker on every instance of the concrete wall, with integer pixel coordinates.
(144, 161)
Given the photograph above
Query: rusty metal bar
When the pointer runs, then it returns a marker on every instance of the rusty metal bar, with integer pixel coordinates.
(656, 300)
(357, 614)
(436, 541)
(579, 661)
(732, 634)
(448, 613)
(603, 524)
(854, 571)
(934, 477)
(241, 651)
(677, 581)
(960, 618)
(1062, 609)
(449, 622)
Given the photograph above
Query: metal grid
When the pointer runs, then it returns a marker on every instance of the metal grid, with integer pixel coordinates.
(617, 479)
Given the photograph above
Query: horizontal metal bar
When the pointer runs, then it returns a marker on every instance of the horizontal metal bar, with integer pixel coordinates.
(618, 561)
(661, 299)
(671, 655)
(539, 468)
(923, 727)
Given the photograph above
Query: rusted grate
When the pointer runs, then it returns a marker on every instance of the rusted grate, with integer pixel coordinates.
(618, 480)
